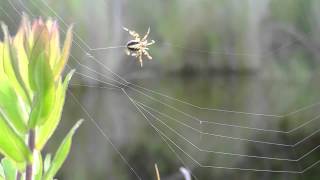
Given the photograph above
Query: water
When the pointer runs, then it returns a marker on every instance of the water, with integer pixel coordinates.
(219, 38)
(92, 157)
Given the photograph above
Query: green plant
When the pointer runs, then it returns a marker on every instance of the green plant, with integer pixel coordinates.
(32, 95)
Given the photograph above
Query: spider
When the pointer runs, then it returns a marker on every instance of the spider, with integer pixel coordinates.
(138, 47)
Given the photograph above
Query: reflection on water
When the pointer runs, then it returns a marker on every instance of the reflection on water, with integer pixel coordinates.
(229, 134)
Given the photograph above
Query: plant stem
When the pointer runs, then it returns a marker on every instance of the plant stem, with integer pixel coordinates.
(18, 177)
(31, 143)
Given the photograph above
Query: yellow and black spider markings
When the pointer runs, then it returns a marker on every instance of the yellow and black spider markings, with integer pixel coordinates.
(138, 46)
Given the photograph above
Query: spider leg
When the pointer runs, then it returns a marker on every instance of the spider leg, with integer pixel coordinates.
(145, 36)
(147, 54)
(140, 58)
(126, 29)
(150, 43)
(132, 33)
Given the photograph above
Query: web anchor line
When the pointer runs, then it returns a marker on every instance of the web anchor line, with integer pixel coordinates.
(302, 156)
(107, 68)
(104, 135)
(118, 76)
(207, 166)
(209, 122)
(289, 145)
(126, 83)
(242, 139)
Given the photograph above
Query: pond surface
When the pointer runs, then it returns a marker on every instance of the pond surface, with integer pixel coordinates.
(210, 137)
(198, 122)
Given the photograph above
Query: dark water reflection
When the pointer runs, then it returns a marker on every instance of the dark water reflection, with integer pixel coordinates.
(92, 157)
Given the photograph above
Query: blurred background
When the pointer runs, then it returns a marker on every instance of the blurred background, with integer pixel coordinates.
(253, 56)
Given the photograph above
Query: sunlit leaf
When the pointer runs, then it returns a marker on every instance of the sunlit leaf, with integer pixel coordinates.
(54, 47)
(41, 39)
(10, 106)
(47, 129)
(65, 54)
(61, 153)
(39, 48)
(32, 95)
(45, 97)
(8, 67)
(1, 171)
(9, 169)
(21, 61)
(25, 89)
(1, 58)
(29, 38)
(12, 145)
(47, 163)
(37, 165)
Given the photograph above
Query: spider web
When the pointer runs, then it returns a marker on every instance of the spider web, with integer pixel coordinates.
(195, 140)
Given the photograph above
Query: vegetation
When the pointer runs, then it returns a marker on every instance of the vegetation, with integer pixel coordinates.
(221, 39)
(32, 94)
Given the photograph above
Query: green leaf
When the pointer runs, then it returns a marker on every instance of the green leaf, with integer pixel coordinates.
(9, 169)
(21, 60)
(45, 83)
(47, 129)
(1, 171)
(1, 58)
(39, 44)
(47, 163)
(26, 91)
(45, 92)
(54, 47)
(31, 70)
(10, 106)
(38, 166)
(65, 54)
(12, 145)
(61, 153)
(8, 67)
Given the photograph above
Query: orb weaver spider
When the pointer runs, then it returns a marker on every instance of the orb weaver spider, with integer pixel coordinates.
(138, 47)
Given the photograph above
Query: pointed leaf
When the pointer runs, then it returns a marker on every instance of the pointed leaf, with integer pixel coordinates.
(21, 61)
(47, 129)
(26, 91)
(41, 39)
(1, 58)
(61, 153)
(8, 66)
(12, 145)
(65, 54)
(29, 38)
(47, 163)
(10, 106)
(9, 169)
(39, 48)
(1, 171)
(54, 51)
(38, 166)
(45, 97)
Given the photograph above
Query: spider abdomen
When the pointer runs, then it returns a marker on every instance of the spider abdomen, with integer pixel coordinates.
(133, 45)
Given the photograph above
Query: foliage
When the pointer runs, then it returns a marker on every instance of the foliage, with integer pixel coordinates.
(32, 95)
